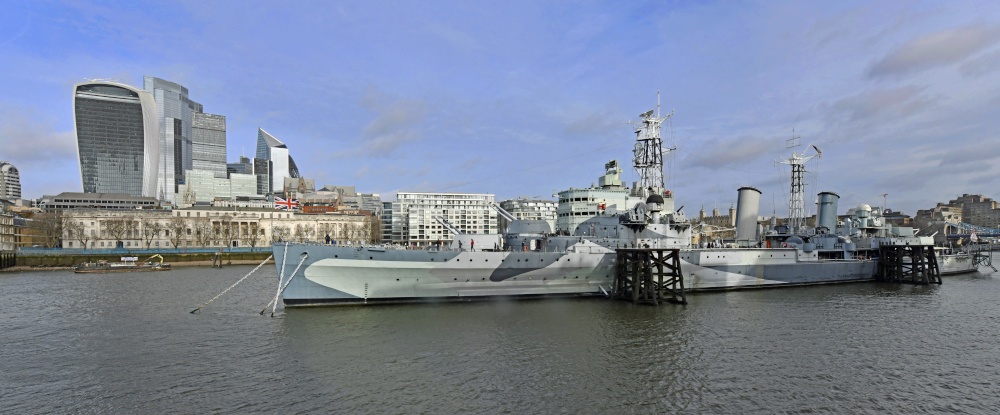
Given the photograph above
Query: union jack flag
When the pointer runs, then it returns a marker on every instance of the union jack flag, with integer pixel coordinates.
(283, 204)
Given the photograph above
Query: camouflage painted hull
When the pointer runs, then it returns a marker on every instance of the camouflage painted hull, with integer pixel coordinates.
(324, 274)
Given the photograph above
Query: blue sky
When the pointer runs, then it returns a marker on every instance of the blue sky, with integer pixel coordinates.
(526, 98)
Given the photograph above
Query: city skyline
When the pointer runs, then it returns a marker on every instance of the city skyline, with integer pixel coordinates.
(529, 100)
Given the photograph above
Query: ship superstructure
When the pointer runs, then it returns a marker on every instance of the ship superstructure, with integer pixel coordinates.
(532, 259)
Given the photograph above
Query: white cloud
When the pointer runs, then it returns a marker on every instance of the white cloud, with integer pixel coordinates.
(900, 101)
(28, 136)
(395, 126)
(936, 49)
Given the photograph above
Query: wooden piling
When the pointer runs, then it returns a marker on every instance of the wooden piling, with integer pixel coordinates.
(648, 275)
(910, 264)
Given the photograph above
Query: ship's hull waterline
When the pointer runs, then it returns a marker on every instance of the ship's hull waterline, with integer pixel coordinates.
(348, 275)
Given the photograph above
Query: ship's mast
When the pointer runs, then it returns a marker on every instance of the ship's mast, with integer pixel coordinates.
(648, 153)
(796, 199)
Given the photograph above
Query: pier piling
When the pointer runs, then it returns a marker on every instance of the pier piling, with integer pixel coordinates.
(648, 275)
(911, 264)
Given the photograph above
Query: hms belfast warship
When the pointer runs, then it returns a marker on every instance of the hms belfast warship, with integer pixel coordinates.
(533, 260)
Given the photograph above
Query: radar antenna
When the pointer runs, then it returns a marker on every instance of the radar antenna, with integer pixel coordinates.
(648, 153)
(796, 199)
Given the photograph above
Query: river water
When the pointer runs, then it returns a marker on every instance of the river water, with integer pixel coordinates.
(126, 343)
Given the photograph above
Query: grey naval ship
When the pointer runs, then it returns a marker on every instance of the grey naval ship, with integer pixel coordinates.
(531, 259)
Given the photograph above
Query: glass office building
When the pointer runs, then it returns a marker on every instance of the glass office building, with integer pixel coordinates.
(208, 143)
(281, 163)
(117, 134)
(205, 187)
(176, 113)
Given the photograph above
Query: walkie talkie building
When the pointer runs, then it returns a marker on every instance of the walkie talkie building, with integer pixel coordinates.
(118, 139)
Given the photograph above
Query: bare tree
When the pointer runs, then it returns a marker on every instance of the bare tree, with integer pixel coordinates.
(151, 228)
(226, 232)
(131, 227)
(373, 224)
(175, 230)
(115, 229)
(203, 231)
(280, 233)
(325, 230)
(76, 230)
(303, 232)
(251, 236)
(48, 226)
(352, 232)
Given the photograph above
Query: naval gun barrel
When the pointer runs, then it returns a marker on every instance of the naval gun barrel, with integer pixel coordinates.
(444, 222)
(506, 215)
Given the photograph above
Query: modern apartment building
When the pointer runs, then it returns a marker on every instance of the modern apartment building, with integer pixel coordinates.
(10, 181)
(413, 217)
(978, 210)
(117, 133)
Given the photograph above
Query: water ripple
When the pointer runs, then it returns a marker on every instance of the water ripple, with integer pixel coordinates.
(126, 344)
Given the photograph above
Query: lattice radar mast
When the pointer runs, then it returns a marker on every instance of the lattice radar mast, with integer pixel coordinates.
(796, 199)
(648, 154)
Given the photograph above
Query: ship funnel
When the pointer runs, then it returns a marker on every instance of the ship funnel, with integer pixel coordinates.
(827, 212)
(747, 208)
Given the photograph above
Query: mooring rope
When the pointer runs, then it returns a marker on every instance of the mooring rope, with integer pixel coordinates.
(231, 286)
(282, 288)
(281, 276)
